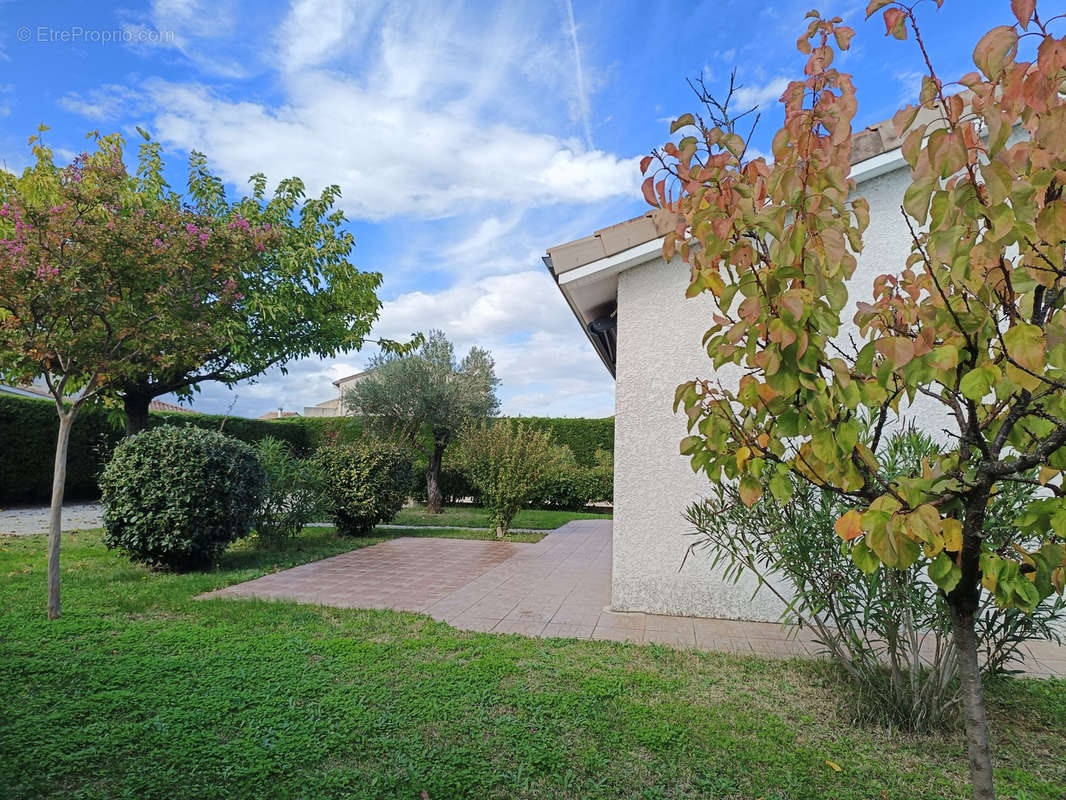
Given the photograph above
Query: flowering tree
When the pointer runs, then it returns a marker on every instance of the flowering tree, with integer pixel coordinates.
(974, 321)
(297, 298)
(91, 278)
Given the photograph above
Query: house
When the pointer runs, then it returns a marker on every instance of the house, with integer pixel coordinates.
(631, 305)
(335, 407)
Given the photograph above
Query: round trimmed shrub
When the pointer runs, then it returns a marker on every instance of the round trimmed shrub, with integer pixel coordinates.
(177, 497)
(366, 483)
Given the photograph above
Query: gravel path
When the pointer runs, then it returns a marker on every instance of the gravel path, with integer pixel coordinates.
(34, 519)
(29, 520)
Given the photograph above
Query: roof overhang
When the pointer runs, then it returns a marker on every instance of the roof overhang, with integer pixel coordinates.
(587, 270)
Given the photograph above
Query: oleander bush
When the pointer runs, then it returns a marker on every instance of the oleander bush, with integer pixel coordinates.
(176, 497)
(890, 630)
(365, 483)
(294, 496)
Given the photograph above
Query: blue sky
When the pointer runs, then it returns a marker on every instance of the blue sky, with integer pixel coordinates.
(466, 138)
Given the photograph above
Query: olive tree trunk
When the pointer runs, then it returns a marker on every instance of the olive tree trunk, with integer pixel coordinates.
(434, 498)
(55, 519)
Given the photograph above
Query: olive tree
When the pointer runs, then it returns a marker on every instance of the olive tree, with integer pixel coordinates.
(424, 399)
(973, 321)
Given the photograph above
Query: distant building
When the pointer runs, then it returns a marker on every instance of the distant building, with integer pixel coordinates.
(279, 414)
(334, 407)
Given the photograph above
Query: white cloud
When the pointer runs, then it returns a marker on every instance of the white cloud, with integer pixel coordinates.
(102, 104)
(422, 120)
(760, 95)
(390, 157)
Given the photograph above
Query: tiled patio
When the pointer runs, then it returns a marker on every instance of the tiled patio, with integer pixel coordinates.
(560, 586)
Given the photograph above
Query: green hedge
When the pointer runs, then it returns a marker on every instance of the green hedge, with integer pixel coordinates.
(28, 430)
(583, 436)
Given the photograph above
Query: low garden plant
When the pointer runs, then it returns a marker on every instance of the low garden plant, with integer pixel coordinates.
(366, 483)
(295, 492)
(176, 498)
(506, 461)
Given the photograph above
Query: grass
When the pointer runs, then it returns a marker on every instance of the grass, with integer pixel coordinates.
(474, 517)
(139, 691)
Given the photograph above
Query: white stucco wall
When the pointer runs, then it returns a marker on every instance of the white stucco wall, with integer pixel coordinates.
(659, 335)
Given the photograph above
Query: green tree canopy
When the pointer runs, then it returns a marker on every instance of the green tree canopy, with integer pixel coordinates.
(425, 398)
(299, 297)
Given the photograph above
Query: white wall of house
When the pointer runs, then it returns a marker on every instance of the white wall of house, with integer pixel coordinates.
(659, 346)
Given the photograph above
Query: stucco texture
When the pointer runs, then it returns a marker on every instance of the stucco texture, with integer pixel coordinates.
(659, 346)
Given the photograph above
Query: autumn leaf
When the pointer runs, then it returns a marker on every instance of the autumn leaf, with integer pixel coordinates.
(995, 50)
(898, 350)
(849, 526)
(750, 490)
(1026, 345)
(1023, 11)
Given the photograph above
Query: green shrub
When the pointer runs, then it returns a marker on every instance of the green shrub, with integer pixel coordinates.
(177, 497)
(294, 495)
(873, 625)
(572, 486)
(506, 461)
(366, 483)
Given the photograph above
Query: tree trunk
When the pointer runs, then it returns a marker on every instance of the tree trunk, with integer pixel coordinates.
(963, 601)
(434, 500)
(136, 407)
(55, 521)
(973, 704)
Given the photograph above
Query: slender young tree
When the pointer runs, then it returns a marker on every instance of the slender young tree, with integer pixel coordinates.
(425, 398)
(974, 321)
(89, 279)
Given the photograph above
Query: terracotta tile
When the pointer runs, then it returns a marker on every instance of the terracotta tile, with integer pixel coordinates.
(566, 631)
(617, 634)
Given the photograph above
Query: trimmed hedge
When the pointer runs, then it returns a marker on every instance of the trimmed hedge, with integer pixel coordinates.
(584, 436)
(28, 430)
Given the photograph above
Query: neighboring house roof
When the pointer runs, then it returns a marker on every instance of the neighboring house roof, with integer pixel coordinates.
(159, 405)
(352, 378)
(27, 390)
(586, 269)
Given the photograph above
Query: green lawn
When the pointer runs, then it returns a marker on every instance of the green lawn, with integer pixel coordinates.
(474, 517)
(141, 692)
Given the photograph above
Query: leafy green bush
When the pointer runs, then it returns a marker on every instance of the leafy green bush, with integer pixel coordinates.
(506, 461)
(177, 497)
(366, 483)
(890, 631)
(572, 486)
(294, 495)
